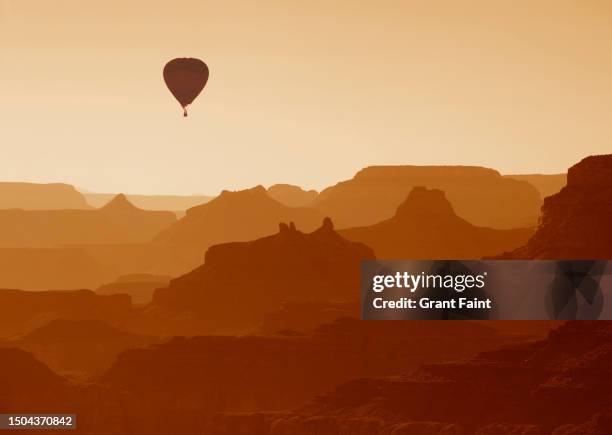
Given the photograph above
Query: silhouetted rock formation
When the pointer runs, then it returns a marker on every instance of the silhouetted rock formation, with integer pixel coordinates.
(426, 227)
(32, 196)
(240, 282)
(139, 286)
(24, 311)
(117, 222)
(231, 217)
(78, 347)
(293, 196)
(175, 203)
(547, 184)
(576, 223)
(481, 196)
(560, 385)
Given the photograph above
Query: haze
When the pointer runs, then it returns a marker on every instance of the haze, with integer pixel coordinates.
(300, 92)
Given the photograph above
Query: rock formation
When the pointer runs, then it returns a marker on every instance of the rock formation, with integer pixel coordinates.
(293, 196)
(425, 226)
(175, 203)
(240, 282)
(576, 223)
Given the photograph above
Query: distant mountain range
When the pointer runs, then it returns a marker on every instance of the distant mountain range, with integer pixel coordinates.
(175, 203)
(59, 196)
(479, 195)
(116, 222)
(35, 196)
(120, 239)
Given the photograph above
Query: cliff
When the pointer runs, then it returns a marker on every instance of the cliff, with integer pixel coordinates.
(576, 223)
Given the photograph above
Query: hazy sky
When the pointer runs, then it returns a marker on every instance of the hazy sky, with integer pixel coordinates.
(304, 92)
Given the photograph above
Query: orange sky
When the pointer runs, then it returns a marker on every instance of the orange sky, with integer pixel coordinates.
(305, 92)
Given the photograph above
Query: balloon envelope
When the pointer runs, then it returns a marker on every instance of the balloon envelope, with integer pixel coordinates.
(185, 77)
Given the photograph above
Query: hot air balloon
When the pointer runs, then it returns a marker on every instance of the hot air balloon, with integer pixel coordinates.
(185, 77)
